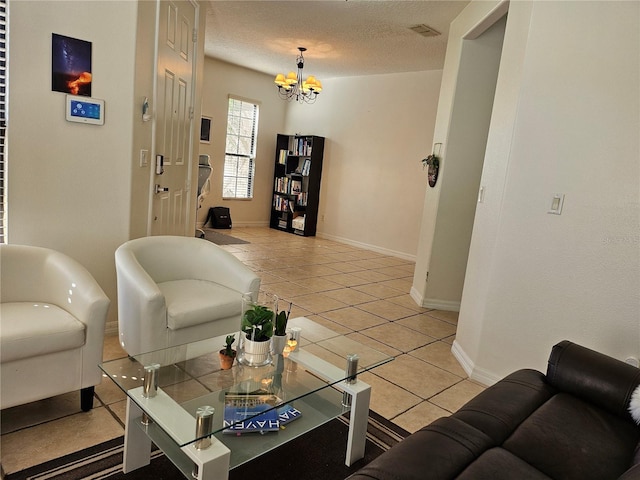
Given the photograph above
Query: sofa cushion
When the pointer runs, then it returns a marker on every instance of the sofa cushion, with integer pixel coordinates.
(192, 302)
(29, 329)
(564, 436)
(499, 409)
(499, 464)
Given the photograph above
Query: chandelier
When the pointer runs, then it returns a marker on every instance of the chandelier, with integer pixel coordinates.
(292, 87)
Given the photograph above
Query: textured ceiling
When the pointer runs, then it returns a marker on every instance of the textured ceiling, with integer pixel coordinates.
(343, 38)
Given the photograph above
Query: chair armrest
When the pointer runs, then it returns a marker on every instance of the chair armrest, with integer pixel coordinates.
(142, 318)
(70, 286)
(593, 376)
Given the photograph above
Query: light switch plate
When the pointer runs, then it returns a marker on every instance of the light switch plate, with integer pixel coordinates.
(481, 194)
(556, 204)
(144, 158)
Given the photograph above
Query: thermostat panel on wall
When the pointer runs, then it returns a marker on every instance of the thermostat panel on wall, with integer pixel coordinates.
(85, 110)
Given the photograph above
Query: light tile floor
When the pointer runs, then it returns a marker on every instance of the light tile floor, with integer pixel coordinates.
(350, 290)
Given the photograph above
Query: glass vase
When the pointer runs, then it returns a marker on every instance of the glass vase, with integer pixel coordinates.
(256, 330)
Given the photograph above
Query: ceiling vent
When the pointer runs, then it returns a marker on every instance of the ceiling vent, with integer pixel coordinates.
(425, 30)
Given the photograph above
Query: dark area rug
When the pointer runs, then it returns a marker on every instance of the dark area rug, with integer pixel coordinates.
(318, 455)
(220, 238)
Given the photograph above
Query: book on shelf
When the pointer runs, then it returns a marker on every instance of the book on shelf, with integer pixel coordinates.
(302, 199)
(282, 204)
(298, 223)
(282, 158)
(282, 184)
(250, 413)
(306, 167)
(301, 146)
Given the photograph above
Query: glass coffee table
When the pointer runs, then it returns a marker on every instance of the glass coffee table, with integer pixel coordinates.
(176, 399)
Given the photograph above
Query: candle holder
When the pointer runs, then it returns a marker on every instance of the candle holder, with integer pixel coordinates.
(294, 338)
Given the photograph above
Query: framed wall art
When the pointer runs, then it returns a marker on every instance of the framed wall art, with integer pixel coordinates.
(205, 130)
(70, 65)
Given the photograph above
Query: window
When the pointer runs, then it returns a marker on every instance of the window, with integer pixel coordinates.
(240, 150)
(3, 113)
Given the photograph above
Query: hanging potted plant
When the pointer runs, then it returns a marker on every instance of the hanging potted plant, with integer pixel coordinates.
(227, 354)
(256, 330)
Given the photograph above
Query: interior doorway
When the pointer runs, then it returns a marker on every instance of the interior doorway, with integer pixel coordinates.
(463, 162)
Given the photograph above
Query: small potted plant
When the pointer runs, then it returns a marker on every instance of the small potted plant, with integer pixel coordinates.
(257, 329)
(227, 354)
(279, 339)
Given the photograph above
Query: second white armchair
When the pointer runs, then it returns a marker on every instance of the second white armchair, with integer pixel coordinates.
(174, 290)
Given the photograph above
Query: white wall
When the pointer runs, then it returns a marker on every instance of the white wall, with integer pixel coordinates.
(221, 80)
(68, 183)
(377, 129)
(566, 120)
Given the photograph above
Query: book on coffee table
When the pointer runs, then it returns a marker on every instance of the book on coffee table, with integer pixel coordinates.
(250, 412)
(287, 413)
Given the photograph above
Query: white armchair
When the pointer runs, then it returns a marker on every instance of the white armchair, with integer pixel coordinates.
(174, 290)
(52, 320)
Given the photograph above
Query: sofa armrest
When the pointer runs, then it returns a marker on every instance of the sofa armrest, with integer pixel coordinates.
(593, 376)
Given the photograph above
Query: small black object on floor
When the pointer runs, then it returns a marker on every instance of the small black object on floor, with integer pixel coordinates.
(220, 217)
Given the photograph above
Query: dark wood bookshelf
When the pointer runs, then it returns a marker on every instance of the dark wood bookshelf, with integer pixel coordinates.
(296, 183)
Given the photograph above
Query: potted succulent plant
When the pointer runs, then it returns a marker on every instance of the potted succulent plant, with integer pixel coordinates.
(227, 354)
(279, 339)
(257, 329)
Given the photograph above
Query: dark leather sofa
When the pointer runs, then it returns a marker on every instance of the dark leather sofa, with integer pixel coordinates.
(572, 423)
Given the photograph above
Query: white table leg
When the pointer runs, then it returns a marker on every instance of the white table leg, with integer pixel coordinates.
(211, 463)
(137, 445)
(357, 439)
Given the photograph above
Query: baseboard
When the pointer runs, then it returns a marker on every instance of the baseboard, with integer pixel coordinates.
(416, 295)
(447, 305)
(366, 246)
(477, 374)
(434, 303)
(111, 328)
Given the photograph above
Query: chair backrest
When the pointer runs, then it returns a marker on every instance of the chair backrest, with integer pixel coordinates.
(204, 172)
(165, 258)
(25, 270)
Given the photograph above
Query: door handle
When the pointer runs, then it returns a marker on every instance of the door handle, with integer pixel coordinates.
(159, 189)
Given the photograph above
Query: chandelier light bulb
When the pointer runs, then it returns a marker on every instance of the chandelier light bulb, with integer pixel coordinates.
(280, 81)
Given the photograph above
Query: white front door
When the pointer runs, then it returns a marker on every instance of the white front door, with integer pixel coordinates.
(174, 123)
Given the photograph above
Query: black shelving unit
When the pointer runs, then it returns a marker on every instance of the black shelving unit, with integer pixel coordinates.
(296, 185)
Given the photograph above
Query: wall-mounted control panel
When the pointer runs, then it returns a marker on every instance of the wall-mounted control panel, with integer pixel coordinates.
(85, 110)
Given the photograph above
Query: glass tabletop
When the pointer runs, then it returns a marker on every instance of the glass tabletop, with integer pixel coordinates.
(189, 378)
